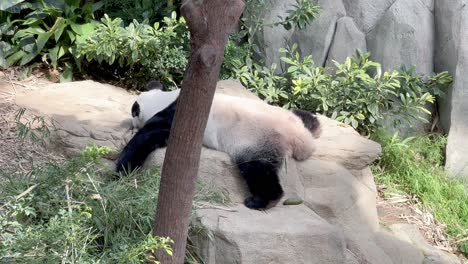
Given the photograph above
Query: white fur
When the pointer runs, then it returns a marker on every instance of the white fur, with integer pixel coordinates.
(152, 102)
(237, 123)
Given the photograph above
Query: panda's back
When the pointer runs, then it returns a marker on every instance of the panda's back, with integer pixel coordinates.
(237, 123)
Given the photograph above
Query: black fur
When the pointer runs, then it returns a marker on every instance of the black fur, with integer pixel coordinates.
(310, 120)
(259, 165)
(260, 171)
(154, 134)
(154, 85)
(135, 109)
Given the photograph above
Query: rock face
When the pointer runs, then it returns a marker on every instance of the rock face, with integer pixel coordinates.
(348, 39)
(318, 37)
(336, 223)
(404, 36)
(431, 35)
(452, 54)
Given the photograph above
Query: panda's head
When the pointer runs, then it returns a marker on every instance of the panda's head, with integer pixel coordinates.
(151, 102)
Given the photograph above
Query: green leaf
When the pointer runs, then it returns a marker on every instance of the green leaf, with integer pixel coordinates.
(28, 57)
(15, 57)
(53, 55)
(5, 4)
(71, 35)
(292, 69)
(287, 60)
(67, 73)
(59, 27)
(354, 123)
(76, 28)
(41, 41)
(97, 6)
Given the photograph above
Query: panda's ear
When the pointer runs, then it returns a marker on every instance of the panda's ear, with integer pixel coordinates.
(154, 85)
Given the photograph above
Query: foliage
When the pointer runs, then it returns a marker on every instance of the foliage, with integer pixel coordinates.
(253, 22)
(140, 10)
(303, 13)
(45, 29)
(415, 165)
(72, 212)
(150, 52)
(33, 126)
(357, 92)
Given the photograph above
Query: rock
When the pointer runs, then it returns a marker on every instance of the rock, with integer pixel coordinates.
(316, 39)
(404, 36)
(350, 257)
(366, 13)
(271, 38)
(399, 251)
(344, 145)
(336, 223)
(283, 234)
(231, 87)
(348, 39)
(411, 234)
(451, 19)
(82, 112)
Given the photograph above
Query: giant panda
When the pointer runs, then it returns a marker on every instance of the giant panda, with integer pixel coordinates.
(256, 136)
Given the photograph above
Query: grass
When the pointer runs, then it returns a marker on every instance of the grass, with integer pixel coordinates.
(74, 212)
(415, 166)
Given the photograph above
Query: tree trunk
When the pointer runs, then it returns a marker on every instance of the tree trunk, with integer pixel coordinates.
(210, 22)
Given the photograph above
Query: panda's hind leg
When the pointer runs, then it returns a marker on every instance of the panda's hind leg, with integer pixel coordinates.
(260, 170)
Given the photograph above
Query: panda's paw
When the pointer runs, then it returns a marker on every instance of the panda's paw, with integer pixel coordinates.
(255, 202)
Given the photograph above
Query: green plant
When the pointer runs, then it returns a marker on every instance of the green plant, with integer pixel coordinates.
(37, 128)
(357, 93)
(72, 212)
(140, 10)
(415, 166)
(150, 52)
(253, 22)
(47, 29)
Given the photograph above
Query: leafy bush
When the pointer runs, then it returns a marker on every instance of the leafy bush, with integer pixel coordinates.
(415, 165)
(357, 93)
(45, 29)
(147, 52)
(140, 10)
(72, 212)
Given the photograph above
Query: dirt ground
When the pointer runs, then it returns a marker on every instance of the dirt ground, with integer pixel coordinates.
(24, 154)
(14, 152)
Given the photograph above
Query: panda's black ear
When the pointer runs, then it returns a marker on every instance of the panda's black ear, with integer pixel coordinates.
(154, 85)
(310, 121)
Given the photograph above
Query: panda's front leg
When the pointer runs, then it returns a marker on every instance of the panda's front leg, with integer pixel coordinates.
(261, 175)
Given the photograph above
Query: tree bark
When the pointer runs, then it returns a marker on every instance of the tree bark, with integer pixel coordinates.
(210, 22)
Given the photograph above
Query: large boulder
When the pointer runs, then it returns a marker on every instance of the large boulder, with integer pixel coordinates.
(348, 39)
(451, 17)
(404, 36)
(366, 13)
(317, 38)
(337, 221)
(271, 38)
(82, 112)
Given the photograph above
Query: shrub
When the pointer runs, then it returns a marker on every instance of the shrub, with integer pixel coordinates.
(146, 52)
(140, 10)
(357, 92)
(45, 29)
